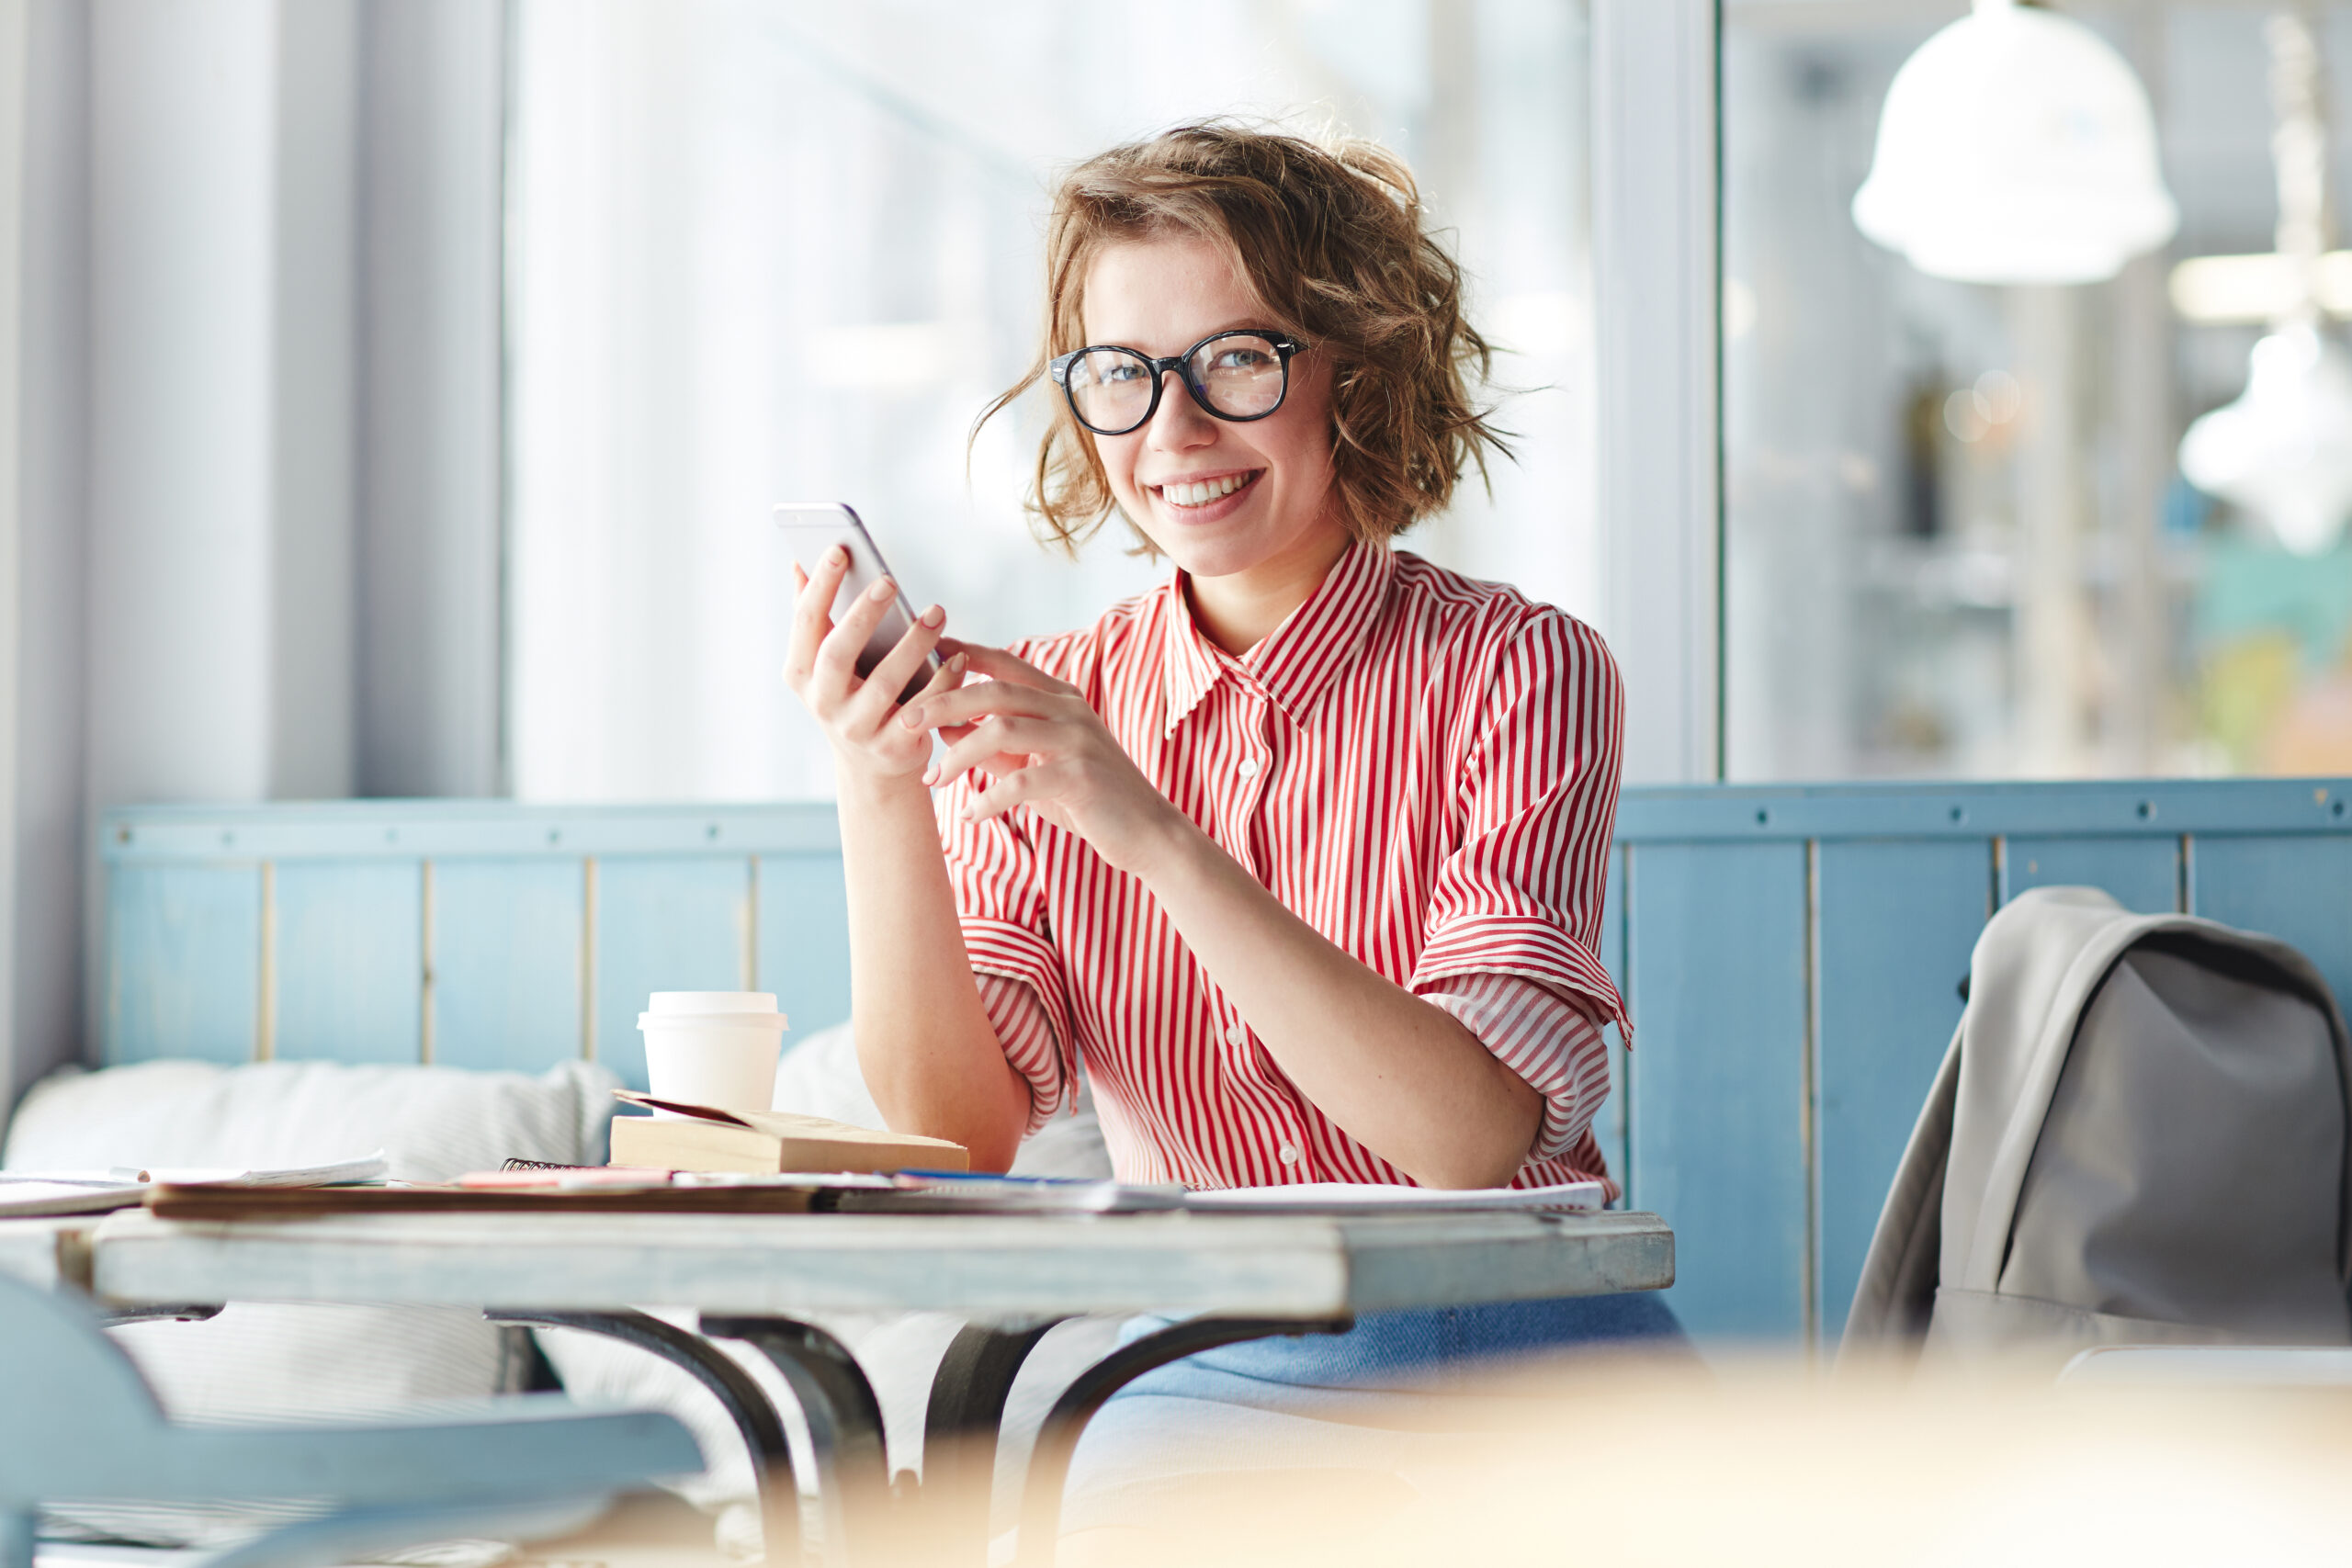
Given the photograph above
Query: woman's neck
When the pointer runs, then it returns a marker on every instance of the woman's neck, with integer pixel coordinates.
(1235, 611)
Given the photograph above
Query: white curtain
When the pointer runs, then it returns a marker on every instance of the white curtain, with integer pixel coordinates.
(780, 251)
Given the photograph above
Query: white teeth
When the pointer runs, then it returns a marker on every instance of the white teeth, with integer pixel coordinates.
(1203, 492)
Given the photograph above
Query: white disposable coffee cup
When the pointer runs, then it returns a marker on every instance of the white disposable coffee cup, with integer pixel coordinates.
(713, 1047)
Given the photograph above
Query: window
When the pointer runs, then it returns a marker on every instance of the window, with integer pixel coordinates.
(766, 252)
(1957, 538)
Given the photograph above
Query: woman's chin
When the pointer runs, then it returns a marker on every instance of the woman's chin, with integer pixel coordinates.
(1225, 552)
(1204, 559)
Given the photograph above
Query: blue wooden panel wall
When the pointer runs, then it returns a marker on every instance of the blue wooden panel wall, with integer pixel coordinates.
(1895, 920)
(802, 953)
(509, 962)
(1789, 956)
(1613, 1126)
(664, 923)
(476, 933)
(1901, 878)
(2142, 873)
(1716, 940)
(347, 983)
(2290, 887)
(184, 961)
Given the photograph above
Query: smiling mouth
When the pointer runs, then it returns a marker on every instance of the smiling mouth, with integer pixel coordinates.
(1204, 491)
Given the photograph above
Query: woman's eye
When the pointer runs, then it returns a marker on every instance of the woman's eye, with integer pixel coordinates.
(1121, 372)
(1238, 359)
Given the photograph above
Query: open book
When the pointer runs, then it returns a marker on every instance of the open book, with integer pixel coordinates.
(764, 1143)
(26, 1194)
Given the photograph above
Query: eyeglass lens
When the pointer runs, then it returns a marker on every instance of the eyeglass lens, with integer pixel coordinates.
(1239, 376)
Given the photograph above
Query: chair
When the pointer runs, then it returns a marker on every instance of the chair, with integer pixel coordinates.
(78, 1424)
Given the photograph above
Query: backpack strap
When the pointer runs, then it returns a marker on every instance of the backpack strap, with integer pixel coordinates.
(1896, 1293)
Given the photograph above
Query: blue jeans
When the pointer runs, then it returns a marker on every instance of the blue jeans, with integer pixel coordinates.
(1416, 1352)
(1333, 1406)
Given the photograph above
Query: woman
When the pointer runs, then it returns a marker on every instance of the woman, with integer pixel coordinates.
(1299, 857)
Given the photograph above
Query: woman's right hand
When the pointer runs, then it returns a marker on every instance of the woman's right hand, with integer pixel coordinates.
(821, 670)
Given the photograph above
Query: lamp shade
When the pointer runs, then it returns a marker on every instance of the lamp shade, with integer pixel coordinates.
(2016, 147)
(2283, 451)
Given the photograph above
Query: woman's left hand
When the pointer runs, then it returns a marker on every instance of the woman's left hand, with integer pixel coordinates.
(1042, 744)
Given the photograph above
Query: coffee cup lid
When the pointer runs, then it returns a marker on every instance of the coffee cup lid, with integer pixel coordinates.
(689, 1003)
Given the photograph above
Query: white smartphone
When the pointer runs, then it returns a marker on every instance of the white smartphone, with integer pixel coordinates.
(813, 527)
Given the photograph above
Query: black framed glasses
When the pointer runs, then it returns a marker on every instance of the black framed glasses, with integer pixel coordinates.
(1237, 376)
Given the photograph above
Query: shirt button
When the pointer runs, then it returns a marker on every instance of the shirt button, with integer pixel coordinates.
(1249, 768)
(1290, 1154)
(1236, 1032)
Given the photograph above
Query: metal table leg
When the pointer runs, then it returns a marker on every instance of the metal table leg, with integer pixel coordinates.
(845, 1426)
(159, 1312)
(746, 1403)
(1041, 1490)
(961, 1428)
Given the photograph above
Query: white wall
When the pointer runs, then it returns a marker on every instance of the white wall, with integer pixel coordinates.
(1655, 293)
(249, 322)
(42, 253)
(15, 38)
(294, 427)
(220, 493)
(431, 462)
(786, 250)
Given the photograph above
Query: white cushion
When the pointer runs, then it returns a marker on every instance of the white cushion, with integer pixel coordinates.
(431, 1122)
(279, 1362)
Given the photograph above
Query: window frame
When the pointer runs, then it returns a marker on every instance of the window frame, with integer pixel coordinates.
(1657, 306)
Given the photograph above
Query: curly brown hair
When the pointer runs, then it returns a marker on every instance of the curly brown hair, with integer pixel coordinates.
(1330, 239)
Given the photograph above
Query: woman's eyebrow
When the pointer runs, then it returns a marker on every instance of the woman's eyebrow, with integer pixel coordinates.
(1239, 325)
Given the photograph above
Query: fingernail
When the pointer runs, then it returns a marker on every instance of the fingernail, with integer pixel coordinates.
(934, 617)
(911, 717)
(930, 776)
(837, 556)
(955, 665)
(882, 590)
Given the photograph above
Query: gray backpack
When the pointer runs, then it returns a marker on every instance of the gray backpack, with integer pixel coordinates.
(2139, 1136)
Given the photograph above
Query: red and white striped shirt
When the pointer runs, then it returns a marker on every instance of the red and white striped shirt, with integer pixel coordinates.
(1421, 766)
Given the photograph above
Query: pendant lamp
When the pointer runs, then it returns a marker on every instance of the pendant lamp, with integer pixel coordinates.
(2283, 450)
(2016, 146)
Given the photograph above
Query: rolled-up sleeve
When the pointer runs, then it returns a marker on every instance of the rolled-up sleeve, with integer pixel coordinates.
(1550, 1041)
(1022, 984)
(1521, 892)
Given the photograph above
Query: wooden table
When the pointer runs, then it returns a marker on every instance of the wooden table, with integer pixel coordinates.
(1227, 1277)
(987, 1267)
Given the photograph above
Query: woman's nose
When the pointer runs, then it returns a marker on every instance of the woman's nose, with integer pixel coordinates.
(1179, 421)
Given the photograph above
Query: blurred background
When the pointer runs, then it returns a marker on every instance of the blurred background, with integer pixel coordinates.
(763, 251)
(395, 389)
(1958, 542)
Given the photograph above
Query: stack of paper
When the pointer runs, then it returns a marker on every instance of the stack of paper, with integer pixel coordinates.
(26, 1194)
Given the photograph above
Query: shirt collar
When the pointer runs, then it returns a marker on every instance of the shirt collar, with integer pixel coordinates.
(1298, 659)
